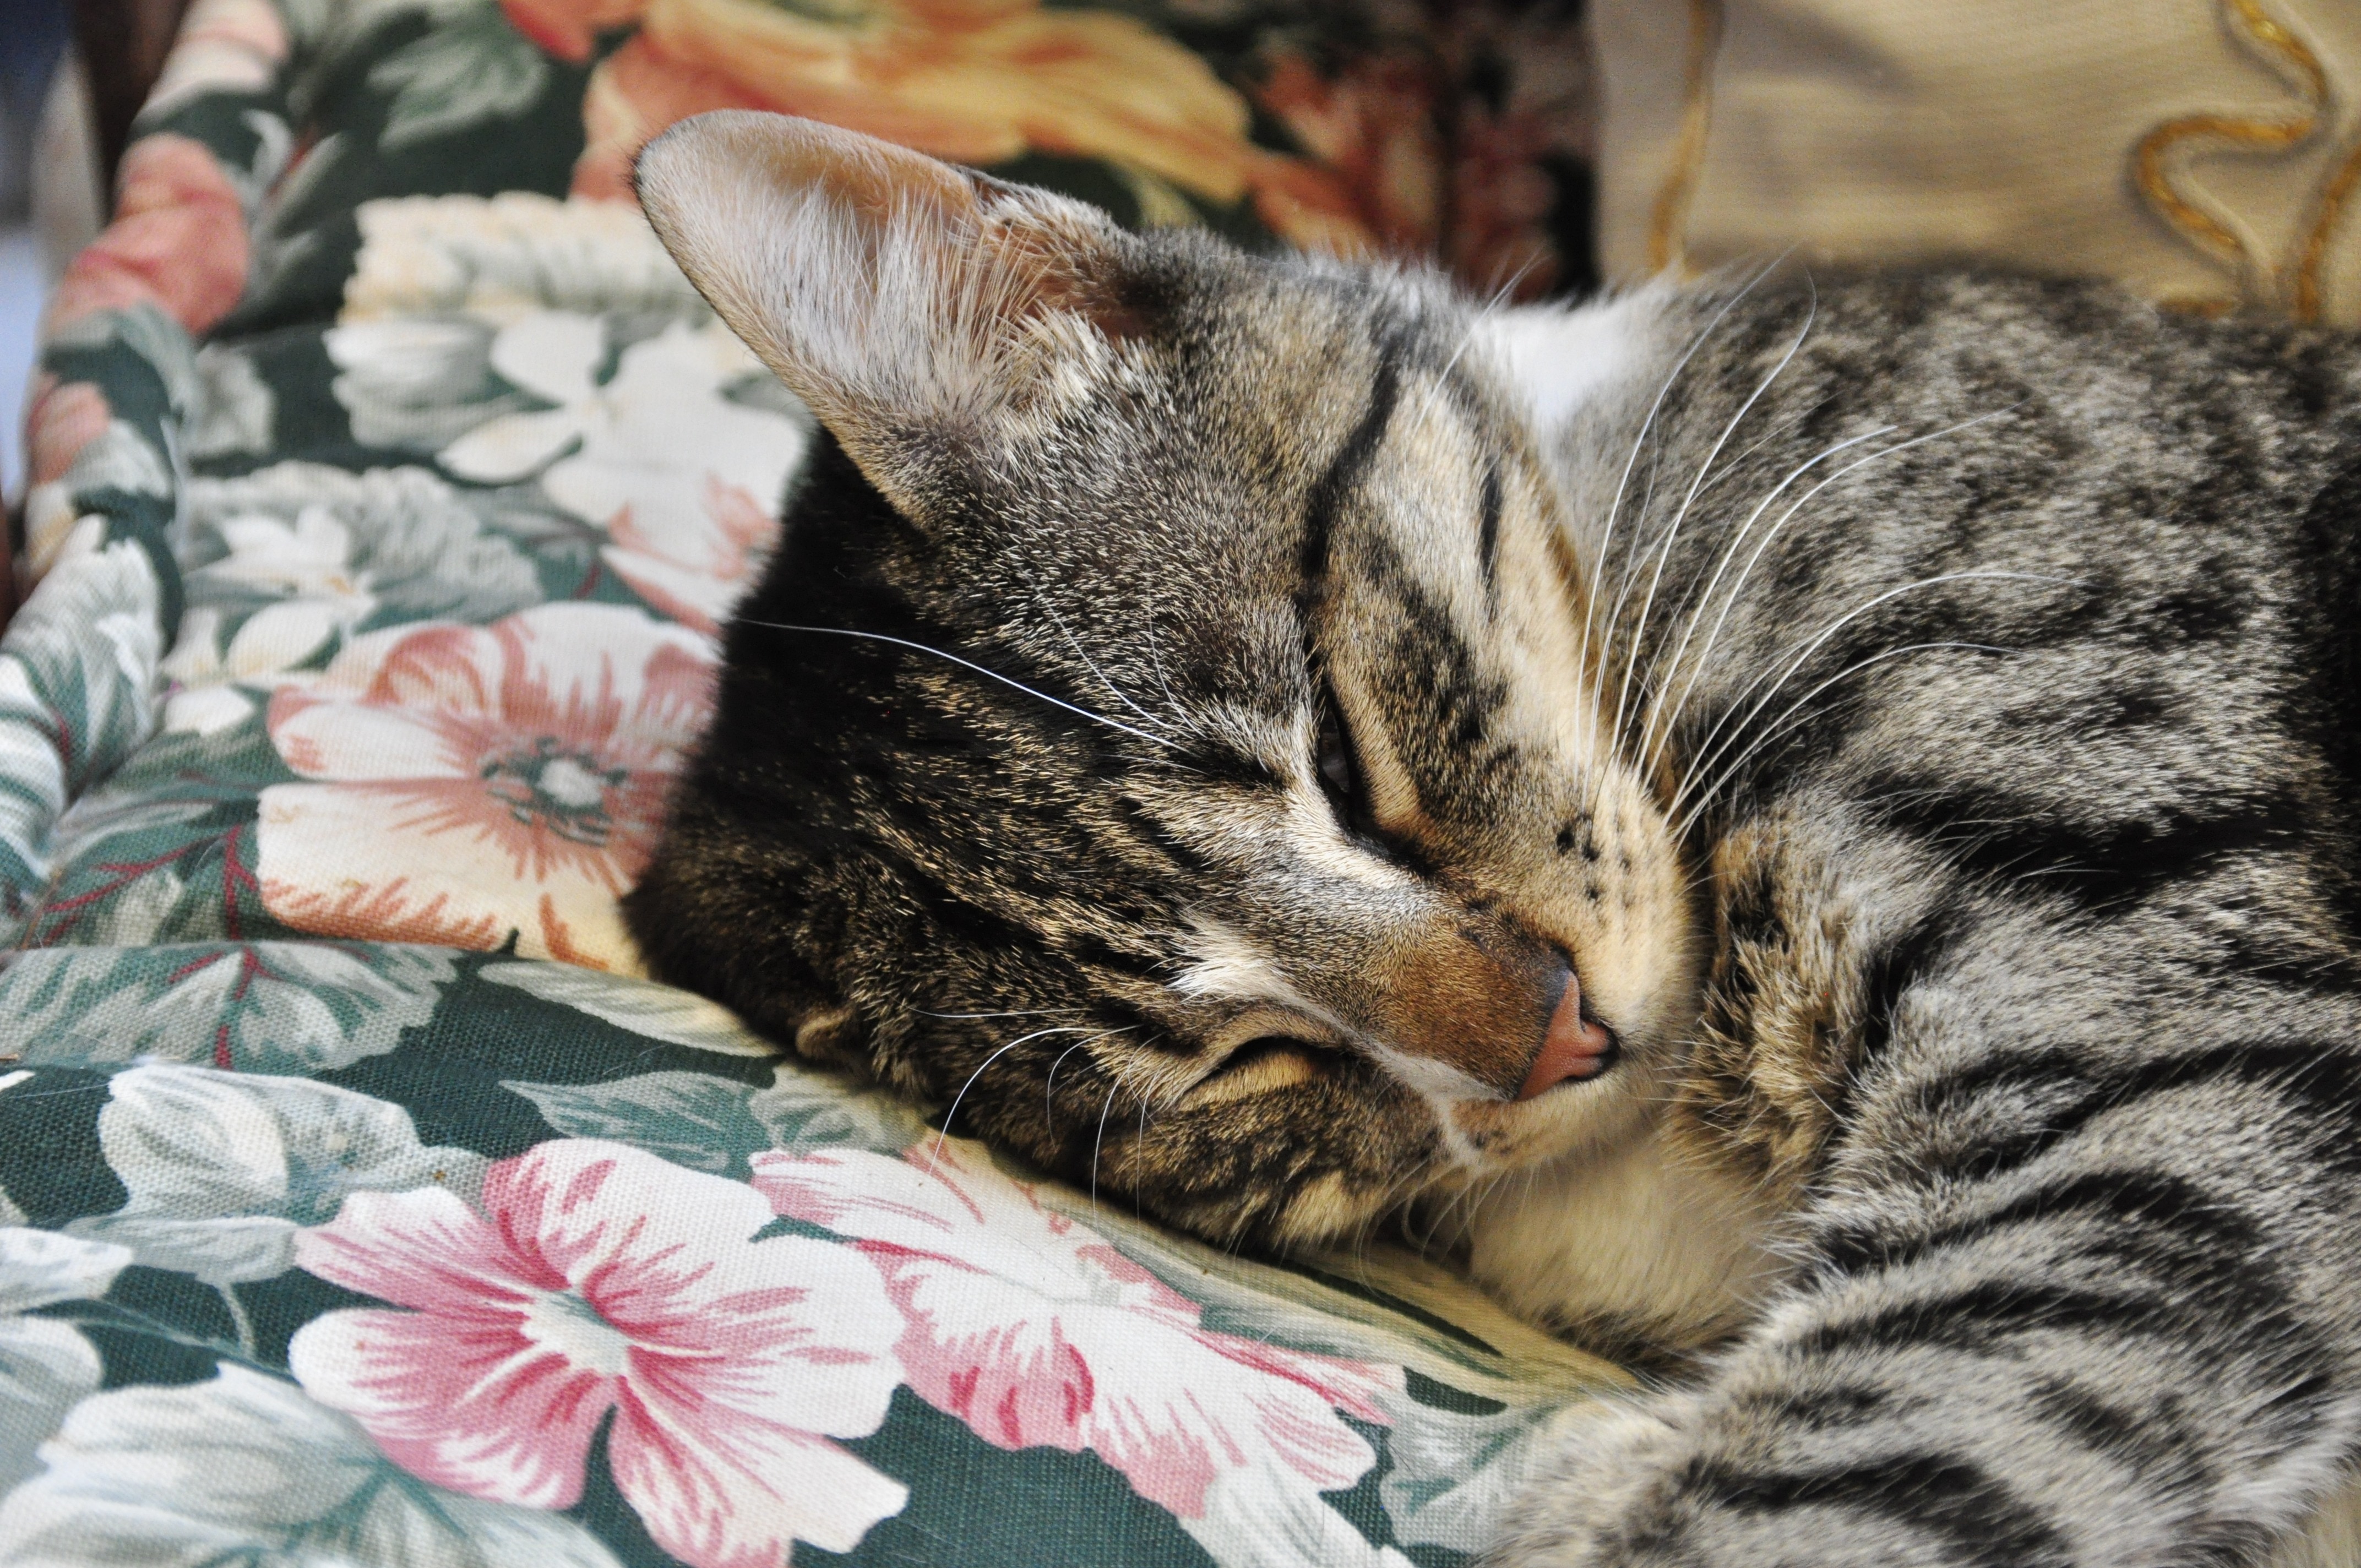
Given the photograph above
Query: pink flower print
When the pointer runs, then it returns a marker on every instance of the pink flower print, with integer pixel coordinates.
(598, 1278)
(1034, 1331)
(470, 782)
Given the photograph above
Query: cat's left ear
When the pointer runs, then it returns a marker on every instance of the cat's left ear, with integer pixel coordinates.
(907, 301)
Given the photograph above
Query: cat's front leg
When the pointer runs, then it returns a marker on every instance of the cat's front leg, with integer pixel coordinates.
(1789, 1460)
(1728, 1478)
(2075, 1312)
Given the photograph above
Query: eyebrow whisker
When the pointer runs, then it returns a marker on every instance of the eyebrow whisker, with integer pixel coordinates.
(989, 674)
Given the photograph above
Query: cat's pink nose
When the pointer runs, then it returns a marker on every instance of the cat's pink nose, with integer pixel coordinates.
(1575, 1047)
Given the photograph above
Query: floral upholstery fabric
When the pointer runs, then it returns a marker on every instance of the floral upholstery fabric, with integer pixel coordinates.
(360, 1204)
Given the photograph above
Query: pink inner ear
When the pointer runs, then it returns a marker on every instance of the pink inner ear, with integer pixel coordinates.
(1058, 249)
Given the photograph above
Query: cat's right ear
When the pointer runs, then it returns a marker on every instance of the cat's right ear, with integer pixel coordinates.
(909, 303)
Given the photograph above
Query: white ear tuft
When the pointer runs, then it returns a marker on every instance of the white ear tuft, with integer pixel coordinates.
(1556, 359)
(890, 292)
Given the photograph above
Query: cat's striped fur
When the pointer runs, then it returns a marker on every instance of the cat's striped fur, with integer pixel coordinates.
(1923, 711)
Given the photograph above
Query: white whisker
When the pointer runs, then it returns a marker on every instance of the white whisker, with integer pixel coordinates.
(1484, 313)
(968, 665)
(1758, 443)
(1805, 500)
(1089, 664)
(952, 1114)
(1049, 1084)
(1136, 1201)
(1672, 531)
(1622, 484)
(1099, 1145)
(1787, 716)
(1705, 598)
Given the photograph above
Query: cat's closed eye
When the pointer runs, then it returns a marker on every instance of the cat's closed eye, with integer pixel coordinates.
(1338, 774)
(1342, 779)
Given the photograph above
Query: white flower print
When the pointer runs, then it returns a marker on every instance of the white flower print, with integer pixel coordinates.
(46, 1366)
(222, 1169)
(244, 1469)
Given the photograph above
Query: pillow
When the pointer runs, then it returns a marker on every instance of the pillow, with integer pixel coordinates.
(2204, 152)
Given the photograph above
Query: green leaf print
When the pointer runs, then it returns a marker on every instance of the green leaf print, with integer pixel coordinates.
(255, 1006)
(246, 1469)
(77, 669)
(712, 1124)
(472, 68)
(658, 1011)
(156, 871)
(45, 1368)
(687, 1118)
(222, 1169)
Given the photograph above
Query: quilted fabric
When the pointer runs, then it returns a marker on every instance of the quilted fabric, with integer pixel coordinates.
(359, 1204)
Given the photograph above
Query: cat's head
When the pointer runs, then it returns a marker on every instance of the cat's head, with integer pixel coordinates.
(1174, 727)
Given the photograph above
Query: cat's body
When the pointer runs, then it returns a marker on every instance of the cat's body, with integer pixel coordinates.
(1811, 827)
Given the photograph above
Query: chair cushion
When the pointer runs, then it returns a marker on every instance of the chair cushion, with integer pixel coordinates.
(359, 1202)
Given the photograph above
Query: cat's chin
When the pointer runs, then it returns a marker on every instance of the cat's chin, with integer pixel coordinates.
(1623, 1237)
(1580, 1210)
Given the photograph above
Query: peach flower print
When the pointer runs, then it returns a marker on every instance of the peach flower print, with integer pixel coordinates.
(1034, 1331)
(598, 1277)
(694, 573)
(178, 241)
(464, 782)
(1503, 194)
(978, 82)
(1377, 183)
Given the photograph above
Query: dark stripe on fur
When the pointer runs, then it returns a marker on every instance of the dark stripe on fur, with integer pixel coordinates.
(2118, 863)
(1896, 967)
(1976, 1514)
(1980, 1319)
(1329, 491)
(1487, 532)
(2160, 1446)
(2318, 1075)
(2156, 1223)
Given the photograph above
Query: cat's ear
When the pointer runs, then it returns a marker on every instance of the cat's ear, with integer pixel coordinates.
(907, 301)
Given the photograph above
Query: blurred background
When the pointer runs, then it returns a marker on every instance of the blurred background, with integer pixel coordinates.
(47, 172)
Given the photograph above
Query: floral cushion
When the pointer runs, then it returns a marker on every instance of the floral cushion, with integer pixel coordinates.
(359, 1204)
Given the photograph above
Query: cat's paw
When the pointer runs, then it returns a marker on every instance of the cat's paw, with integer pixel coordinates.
(1693, 1481)
(1605, 1495)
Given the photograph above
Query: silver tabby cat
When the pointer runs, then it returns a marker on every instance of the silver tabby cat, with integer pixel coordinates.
(1814, 828)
